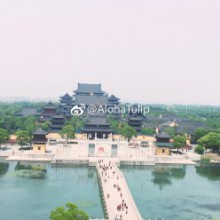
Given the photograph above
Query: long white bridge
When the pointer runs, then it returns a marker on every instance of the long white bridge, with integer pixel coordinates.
(118, 202)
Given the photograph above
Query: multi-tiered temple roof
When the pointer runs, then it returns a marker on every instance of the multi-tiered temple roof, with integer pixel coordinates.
(87, 89)
(113, 100)
(96, 124)
(136, 118)
(66, 104)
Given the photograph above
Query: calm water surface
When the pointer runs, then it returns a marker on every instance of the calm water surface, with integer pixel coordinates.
(175, 192)
(31, 191)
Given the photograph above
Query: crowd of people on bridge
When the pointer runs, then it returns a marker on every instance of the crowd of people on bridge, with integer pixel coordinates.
(108, 171)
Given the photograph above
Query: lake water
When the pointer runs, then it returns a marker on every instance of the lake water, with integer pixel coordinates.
(31, 191)
(175, 192)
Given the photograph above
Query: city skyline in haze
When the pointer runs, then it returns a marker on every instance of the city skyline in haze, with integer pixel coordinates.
(141, 51)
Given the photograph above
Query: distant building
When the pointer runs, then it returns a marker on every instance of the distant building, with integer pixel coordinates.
(92, 89)
(39, 141)
(113, 103)
(182, 126)
(169, 124)
(12, 140)
(136, 118)
(57, 123)
(66, 104)
(163, 144)
(48, 111)
(96, 124)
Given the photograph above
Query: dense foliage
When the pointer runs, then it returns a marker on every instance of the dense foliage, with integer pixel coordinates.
(3, 136)
(148, 131)
(71, 212)
(128, 132)
(23, 138)
(210, 141)
(200, 149)
(179, 141)
(68, 132)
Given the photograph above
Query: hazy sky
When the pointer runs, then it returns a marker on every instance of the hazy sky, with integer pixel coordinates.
(161, 51)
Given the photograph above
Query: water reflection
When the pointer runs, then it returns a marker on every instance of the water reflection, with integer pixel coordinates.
(91, 173)
(210, 172)
(3, 168)
(21, 183)
(30, 171)
(163, 175)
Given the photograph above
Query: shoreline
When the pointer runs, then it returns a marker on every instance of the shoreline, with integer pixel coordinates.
(91, 161)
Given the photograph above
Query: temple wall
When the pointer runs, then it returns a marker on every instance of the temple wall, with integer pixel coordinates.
(144, 138)
(41, 148)
(165, 151)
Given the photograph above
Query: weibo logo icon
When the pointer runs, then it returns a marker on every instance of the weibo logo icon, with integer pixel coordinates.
(78, 110)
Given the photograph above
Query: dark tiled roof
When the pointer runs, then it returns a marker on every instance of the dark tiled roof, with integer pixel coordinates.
(56, 126)
(58, 117)
(183, 123)
(95, 129)
(167, 123)
(29, 112)
(40, 131)
(163, 135)
(134, 118)
(96, 119)
(66, 96)
(156, 121)
(113, 97)
(89, 88)
(149, 125)
(44, 118)
(88, 100)
(186, 130)
(49, 105)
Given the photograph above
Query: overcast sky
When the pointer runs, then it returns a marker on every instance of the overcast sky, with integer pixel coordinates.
(160, 51)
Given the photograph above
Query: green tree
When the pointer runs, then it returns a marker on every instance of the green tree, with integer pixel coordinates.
(3, 136)
(115, 126)
(200, 149)
(76, 122)
(70, 213)
(23, 138)
(128, 132)
(210, 141)
(68, 132)
(179, 141)
(216, 131)
(46, 125)
(171, 130)
(148, 131)
(30, 126)
(200, 132)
